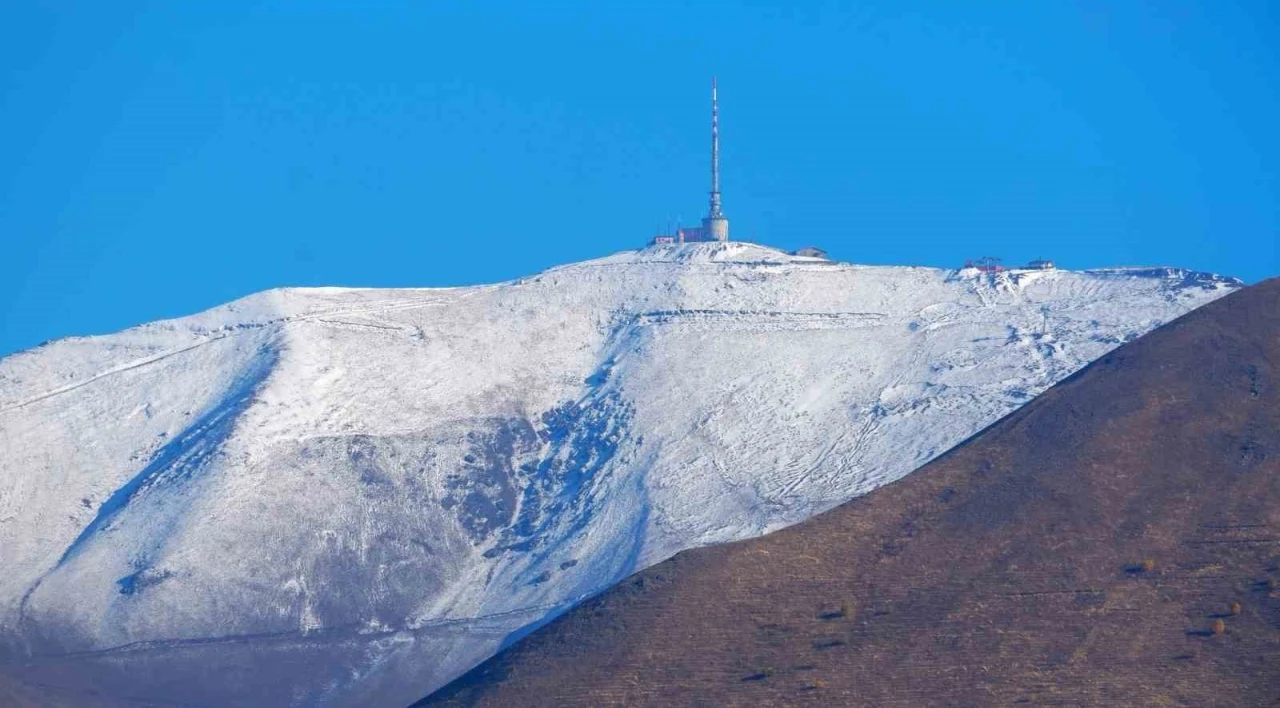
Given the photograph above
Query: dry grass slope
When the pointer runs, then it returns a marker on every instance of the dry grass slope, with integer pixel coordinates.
(1116, 542)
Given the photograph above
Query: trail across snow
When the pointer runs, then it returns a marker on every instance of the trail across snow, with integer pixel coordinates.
(349, 497)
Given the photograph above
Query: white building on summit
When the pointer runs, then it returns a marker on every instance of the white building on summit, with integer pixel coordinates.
(715, 226)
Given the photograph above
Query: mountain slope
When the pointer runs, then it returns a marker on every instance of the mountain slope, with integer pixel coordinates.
(345, 497)
(1079, 552)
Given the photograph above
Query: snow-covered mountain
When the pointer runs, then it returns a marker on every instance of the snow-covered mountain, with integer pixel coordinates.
(350, 496)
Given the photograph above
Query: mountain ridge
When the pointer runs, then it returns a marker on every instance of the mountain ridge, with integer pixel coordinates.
(378, 479)
(1111, 543)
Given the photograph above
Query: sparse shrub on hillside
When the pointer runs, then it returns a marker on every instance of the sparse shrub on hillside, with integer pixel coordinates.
(760, 675)
(1145, 566)
(1219, 627)
(846, 611)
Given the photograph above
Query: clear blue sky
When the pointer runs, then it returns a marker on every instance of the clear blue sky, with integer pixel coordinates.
(157, 159)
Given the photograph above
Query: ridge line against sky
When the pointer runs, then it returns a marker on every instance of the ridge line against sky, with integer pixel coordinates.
(159, 160)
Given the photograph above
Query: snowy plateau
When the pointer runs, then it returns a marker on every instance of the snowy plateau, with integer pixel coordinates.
(349, 497)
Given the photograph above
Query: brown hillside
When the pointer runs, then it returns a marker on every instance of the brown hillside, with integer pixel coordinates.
(1115, 542)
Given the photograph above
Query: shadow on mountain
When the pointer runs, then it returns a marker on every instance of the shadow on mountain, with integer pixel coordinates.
(1114, 542)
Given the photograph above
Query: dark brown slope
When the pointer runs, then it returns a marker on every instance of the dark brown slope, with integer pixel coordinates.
(1079, 552)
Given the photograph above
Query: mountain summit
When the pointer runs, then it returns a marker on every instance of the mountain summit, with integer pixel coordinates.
(351, 496)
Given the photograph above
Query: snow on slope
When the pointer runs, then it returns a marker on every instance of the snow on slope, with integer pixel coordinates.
(350, 496)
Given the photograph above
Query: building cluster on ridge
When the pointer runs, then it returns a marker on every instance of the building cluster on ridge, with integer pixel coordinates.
(715, 225)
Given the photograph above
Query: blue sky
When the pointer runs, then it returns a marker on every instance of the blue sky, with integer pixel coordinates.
(157, 159)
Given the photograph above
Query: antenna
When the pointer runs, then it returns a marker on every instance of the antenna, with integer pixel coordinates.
(715, 154)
